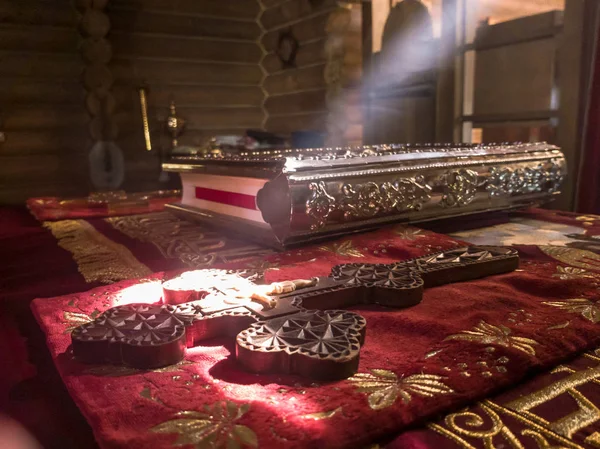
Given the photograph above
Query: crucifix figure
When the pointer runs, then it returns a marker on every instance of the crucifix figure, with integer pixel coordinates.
(293, 327)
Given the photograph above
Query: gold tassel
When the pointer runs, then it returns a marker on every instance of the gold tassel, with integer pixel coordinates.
(98, 258)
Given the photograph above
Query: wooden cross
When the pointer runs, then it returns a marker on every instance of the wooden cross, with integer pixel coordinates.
(295, 327)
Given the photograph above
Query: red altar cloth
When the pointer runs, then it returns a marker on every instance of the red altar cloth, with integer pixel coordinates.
(55, 208)
(462, 343)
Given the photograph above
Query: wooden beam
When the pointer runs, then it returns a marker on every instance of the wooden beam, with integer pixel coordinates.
(44, 39)
(189, 96)
(305, 31)
(295, 103)
(34, 12)
(140, 71)
(188, 49)
(293, 11)
(296, 80)
(173, 25)
(40, 66)
(232, 9)
(308, 54)
(445, 89)
(524, 29)
(574, 65)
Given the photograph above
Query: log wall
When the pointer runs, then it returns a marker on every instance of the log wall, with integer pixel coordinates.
(314, 94)
(204, 54)
(42, 113)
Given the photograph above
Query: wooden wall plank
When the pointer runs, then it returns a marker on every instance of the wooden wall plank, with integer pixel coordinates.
(294, 103)
(307, 122)
(38, 12)
(50, 141)
(44, 39)
(296, 80)
(197, 118)
(23, 90)
(189, 49)
(308, 30)
(293, 11)
(41, 66)
(153, 22)
(191, 73)
(186, 96)
(232, 9)
(308, 54)
(32, 117)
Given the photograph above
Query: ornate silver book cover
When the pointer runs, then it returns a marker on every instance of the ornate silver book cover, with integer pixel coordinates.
(288, 197)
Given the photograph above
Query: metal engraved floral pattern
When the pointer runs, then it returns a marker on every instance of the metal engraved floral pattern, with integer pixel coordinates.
(360, 201)
(506, 181)
(460, 187)
(215, 428)
(372, 199)
(319, 205)
(384, 387)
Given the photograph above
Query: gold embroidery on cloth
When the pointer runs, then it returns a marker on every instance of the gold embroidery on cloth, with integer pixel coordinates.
(471, 423)
(409, 232)
(567, 273)
(579, 258)
(214, 428)
(76, 319)
(384, 387)
(581, 306)
(98, 258)
(322, 415)
(192, 244)
(489, 334)
(345, 249)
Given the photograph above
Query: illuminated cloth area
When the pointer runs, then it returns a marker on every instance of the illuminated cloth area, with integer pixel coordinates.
(461, 344)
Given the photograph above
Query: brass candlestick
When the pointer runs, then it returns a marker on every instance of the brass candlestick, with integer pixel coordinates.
(175, 124)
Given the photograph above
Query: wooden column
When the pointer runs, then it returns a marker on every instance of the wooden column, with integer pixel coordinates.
(445, 98)
(574, 61)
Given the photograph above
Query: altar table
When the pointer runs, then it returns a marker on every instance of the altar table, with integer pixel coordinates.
(529, 334)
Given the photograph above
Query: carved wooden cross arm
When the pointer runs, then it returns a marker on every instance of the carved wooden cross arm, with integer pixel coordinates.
(295, 327)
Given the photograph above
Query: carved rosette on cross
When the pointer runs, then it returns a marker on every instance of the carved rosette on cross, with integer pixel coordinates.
(294, 327)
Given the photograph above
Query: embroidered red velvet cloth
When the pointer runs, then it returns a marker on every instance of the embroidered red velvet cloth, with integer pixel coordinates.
(463, 342)
(55, 208)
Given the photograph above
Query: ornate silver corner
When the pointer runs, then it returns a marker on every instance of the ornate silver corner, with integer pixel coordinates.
(460, 187)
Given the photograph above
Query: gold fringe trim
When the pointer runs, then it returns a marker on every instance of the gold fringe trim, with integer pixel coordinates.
(98, 258)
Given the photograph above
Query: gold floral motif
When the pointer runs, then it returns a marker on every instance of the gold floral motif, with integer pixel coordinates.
(409, 232)
(567, 273)
(384, 387)
(322, 415)
(214, 428)
(581, 306)
(559, 326)
(98, 258)
(76, 319)
(345, 249)
(574, 257)
(489, 334)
